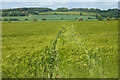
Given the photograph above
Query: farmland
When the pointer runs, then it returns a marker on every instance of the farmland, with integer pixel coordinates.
(60, 49)
(69, 13)
(50, 17)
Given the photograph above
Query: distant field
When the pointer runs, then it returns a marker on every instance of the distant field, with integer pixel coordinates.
(55, 17)
(65, 49)
(70, 13)
(65, 17)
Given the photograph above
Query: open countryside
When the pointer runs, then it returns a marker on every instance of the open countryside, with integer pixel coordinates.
(59, 44)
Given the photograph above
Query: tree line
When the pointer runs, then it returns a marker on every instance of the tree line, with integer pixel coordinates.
(35, 11)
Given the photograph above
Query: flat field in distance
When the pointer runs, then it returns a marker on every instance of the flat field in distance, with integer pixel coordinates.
(64, 49)
(64, 17)
(49, 17)
(69, 13)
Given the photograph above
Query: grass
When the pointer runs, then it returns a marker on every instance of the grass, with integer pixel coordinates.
(64, 49)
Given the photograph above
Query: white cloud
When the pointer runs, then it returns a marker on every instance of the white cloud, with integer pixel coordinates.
(37, 3)
(60, 0)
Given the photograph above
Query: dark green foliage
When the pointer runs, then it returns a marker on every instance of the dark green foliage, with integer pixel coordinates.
(14, 19)
(62, 9)
(99, 18)
(44, 19)
(5, 14)
(5, 19)
(110, 13)
(108, 19)
(26, 19)
(55, 13)
(61, 18)
(89, 17)
(81, 14)
(96, 16)
(76, 18)
(85, 9)
(26, 11)
(14, 13)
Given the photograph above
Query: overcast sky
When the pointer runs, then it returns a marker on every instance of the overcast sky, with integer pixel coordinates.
(101, 4)
(59, 0)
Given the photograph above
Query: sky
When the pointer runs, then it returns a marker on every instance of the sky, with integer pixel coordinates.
(101, 4)
(60, 0)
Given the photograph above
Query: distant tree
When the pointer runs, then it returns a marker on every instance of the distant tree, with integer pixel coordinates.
(76, 18)
(112, 13)
(61, 18)
(99, 18)
(5, 19)
(81, 14)
(89, 17)
(108, 19)
(22, 14)
(4, 14)
(14, 19)
(36, 13)
(96, 16)
(26, 19)
(55, 13)
(62, 9)
(44, 19)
